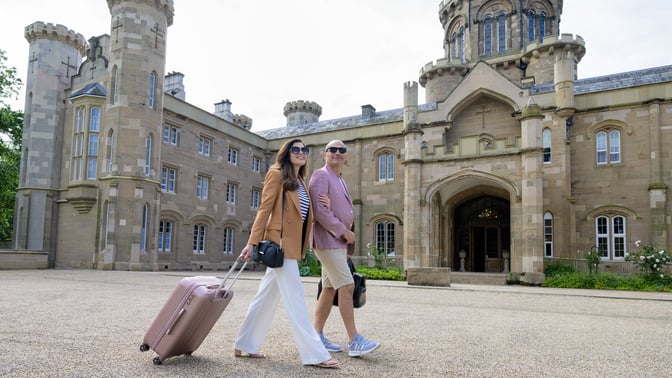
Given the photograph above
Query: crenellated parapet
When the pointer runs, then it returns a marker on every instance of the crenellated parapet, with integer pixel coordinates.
(301, 106)
(55, 32)
(553, 44)
(440, 68)
(243, 121)
(166, 5)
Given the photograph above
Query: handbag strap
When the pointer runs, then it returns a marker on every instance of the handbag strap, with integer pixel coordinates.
(282, 220)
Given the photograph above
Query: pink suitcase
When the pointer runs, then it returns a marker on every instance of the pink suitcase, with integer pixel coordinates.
(189, 315)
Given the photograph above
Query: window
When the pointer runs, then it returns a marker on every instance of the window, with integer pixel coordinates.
(610, 237)
(462, 38)
(143, 229)
(152, 89)
(501, 33)
(546, 140)
(108, 227)
(148, 155)
(228, 241)
(115, 84)
(548, 235)
(202, 184)
(487, 36)
(199, 238)
(204, 146)
(608, 141)
(165, 235)
(385, 237)
(542, 27)
(231, 194)
(256, 196)
(233, 156)
(110, 146)
(171, 135)
(386, 167)
(256, 164)
(78, 144)
(92, 154)
(168, 178)
(530, 26)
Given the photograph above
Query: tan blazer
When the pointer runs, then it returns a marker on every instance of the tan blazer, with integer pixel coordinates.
(267, 223)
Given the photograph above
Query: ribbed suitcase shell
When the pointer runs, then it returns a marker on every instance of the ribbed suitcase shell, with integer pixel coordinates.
(188, 316)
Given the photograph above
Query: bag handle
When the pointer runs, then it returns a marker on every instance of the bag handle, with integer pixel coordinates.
(223, 291)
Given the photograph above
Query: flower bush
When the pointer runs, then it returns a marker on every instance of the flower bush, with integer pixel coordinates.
(377, 254)
(650, 259)
(592, 258)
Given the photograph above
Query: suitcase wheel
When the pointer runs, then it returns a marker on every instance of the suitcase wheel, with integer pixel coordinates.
(144, 347)
(157, 360)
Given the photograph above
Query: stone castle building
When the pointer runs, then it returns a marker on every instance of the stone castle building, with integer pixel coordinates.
(508, 162)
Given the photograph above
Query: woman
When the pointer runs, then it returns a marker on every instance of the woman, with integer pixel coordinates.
(285, 176)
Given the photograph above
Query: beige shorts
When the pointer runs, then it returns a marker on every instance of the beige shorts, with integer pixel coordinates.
(335, 270)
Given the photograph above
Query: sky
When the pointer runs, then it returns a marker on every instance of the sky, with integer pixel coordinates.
(341, 54)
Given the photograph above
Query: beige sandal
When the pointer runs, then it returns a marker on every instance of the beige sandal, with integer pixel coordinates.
(329, 364)
(240, 353)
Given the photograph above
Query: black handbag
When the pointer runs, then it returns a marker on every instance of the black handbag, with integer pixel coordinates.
(268, 252)
(358, 294)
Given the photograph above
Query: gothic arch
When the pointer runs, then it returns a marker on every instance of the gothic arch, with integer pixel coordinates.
(464, 179)
(620, 125)
(539, 6)
(380, 216)
(472, 97)
(610, 210)
(493, 8)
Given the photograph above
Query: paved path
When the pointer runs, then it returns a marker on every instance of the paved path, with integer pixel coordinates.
(82, 323)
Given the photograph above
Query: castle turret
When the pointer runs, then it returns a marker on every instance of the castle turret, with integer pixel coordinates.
(54, 55)
(174, 85)
(301, 112)
(133, 126)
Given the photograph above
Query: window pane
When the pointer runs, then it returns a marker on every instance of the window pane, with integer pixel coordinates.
(501, 33)
(390, 167)
(487, 36)
(614, 146)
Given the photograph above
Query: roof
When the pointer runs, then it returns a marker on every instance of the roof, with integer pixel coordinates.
(93, 89)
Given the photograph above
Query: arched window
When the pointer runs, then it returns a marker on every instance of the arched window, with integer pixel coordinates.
(501, 33)
(92, 148)
(530, 25)
(548, 235)
(542, 27)
(610, 237)
(165, 235)
(115, 84)
(546, 140)
(608, 147)
(152, 90)
(148, 155)
(78, 144)
(200, 231)
(143, 230)
(385, 237)
(455, 47)
(462, 41)
(228, 241)
(108, 152)
(487, 36)
(386, 167)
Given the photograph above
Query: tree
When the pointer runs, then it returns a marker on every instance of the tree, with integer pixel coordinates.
(11, 128)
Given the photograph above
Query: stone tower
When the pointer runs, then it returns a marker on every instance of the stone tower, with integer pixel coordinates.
(54, 54)
(301, 112)
(132, 128)
(520, 39)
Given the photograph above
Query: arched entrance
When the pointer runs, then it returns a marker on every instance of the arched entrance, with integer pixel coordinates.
(482, 230)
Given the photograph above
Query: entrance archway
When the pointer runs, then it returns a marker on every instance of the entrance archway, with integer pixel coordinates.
(482, 231)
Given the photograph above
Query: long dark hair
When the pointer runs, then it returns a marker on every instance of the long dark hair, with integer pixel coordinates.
(284, 163)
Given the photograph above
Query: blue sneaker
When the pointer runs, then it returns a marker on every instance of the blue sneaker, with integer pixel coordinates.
(331, 347)
(361, 346)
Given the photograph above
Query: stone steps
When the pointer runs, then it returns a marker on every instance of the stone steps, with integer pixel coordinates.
(473, 278)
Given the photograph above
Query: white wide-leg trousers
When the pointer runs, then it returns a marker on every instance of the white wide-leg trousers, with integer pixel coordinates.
(285, 283)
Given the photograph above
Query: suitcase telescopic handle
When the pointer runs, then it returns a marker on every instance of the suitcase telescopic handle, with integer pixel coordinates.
(222, 291)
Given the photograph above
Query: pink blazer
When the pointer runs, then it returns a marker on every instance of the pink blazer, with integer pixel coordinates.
(330, 225)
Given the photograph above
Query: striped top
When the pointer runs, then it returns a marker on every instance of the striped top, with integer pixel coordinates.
(304, 200)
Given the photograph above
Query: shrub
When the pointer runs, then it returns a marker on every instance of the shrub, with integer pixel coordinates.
(650, 259)
(556, 268)
(592, 258)
(373, 273)
(309, 266)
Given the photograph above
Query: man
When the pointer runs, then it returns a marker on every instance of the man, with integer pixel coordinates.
(333, 242)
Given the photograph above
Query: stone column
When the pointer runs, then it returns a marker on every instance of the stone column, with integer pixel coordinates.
(531, 252)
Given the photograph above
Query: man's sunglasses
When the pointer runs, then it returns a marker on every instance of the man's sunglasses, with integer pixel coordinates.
(339, 149)
(296, 150)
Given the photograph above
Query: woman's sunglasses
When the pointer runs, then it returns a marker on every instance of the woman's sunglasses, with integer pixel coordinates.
(339, 149)
(297, 150)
